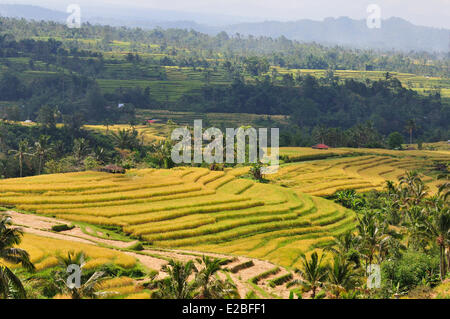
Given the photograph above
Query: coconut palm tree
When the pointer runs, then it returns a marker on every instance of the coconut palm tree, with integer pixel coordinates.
(87, 289)
(412, 189)
(125, 139)
(342, 275)
(21, 152)
(42, 148)
(349, 199)
(211, 267)
(10, 284)
(107, 122)
(444, 188)
(313, 272)
(80, 148)
(211, 287)
(346, 245)
(437, 227)
(161, 154)
(410, 127)
(177, 284)
(373, 237)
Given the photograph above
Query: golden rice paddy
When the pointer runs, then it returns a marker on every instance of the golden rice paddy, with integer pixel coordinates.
(359, 169)
(44, 252)
(187, 208)
(217, 211)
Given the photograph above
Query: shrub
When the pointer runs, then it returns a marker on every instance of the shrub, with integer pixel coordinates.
(62, 227)
(90, 163)
(264, 275)
(320, 295)
(113, 169)
(244, 265)
(216, 167)
(251, 295)
(280, 280)
(412, 269)
(113, 270)
(136, 246)
(395, 140)
(64, 165)
(295, 292)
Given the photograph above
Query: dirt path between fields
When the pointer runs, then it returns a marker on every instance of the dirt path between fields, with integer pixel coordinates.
(42, 226)
(32, 222)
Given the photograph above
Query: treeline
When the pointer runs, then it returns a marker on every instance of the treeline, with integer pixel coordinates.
(33, 150)
(62, 98)
(189, 43)
(330, 103)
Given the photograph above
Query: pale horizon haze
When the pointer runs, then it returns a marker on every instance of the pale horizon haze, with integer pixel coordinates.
(435, 13)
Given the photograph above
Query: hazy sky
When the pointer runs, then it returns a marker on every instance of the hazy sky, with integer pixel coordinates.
(429, 12)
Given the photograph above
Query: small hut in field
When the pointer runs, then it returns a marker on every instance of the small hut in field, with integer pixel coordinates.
(320, 147)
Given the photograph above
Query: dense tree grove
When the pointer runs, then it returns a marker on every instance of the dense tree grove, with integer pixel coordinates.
(58, 81)
(313, 103)
(188, 44)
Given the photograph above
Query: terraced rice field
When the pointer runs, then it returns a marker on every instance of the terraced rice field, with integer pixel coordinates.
(44, 251)
(147, 133)
(188, 208)
(419, 83)
(220, 120)
(360, 172)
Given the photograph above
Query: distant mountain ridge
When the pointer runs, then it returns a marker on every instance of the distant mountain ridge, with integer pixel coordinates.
(395, 33)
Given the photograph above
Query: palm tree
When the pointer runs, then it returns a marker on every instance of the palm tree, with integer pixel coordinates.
(80, 148)
(437, 227)
(444, 189)
(125, 139)
(211, 287)
(10, 284)
(177, 284)
(87, 289)
(42, 148)
(20, 153)
(372, 236)
(415, 189)
(410, 127)
(313, 273)
(346, 245)
(162, 154)
(349, 199)
(320, 133)
(107, 123)
(342, 275)
(100, 154)
(211, 267)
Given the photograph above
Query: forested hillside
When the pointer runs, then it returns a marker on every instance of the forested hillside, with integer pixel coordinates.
(82, 75)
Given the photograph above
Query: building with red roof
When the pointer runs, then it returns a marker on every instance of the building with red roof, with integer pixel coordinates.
(321, 147)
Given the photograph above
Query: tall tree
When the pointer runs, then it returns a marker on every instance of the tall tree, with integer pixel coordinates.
(313, 272)
(437, 228)
(211, 287)
(177, 285)
(42, 148)
(87, 289)
(342, 275)
(22, 151)
(80, 148)
(411, 126)
(10, 285)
